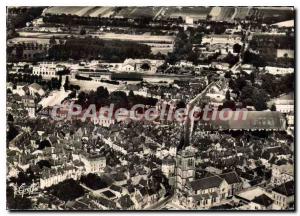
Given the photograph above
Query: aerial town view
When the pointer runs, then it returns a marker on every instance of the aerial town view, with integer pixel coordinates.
(150, 108)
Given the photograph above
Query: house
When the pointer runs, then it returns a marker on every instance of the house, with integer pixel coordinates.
(282, 174)
(145, 65)
(117, 190)
(284, 103)
(262, 202)
(168, 166)
(119, 178)
(31, 109)
(126, 203)
(253, 198)
(34, 89)
(93, 163)
(184, 63)
(285, 53)
(144, 193)
(207, 192)
(234, 182)
(220, 65)
(19, 90)
(104, 203)
(57, 175)
(290, 119)
(284, 195)
(213, 170)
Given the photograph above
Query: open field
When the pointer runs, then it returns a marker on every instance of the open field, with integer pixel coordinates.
(81, 11)
(222, 13)
(273, 15)
(194, 12)
(242, 12)
(133, 12)
(267, 14)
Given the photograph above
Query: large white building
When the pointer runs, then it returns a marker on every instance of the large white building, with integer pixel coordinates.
(279, 70)
(222, 39)
(284, 195)
(54, 176)
(93, 164)
(47, 69)
(284, 103)
(141, 65)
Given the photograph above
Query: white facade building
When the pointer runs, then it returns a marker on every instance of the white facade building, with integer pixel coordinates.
(47, 69)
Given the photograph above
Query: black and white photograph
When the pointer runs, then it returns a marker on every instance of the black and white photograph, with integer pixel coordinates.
(143, 108)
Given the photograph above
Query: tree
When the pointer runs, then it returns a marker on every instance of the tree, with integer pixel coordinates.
(17, 202)
(60, 80)
(67, 190)
(82, 98)
(93, 181)
(228, 74)
(180, 104)
(219, 29)
(66, 85)
(229, 104)
(43, 144)
(52, 41)
(145, 67)
(82, 31)
(131, 94)
(273, 107)
(237, 48)
(227, 96)
(44, 163)
(12, 132)
(10, 118)
(193, 57)
(231, 59)
(8, 91)
(197, 38)
(260, 99)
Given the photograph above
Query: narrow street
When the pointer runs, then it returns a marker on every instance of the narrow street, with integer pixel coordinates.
(160, 204)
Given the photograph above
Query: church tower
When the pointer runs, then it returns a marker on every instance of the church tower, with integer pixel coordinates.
(185, 167)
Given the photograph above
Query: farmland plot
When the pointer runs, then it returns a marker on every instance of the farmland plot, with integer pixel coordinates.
(194, 12)
(135, 12)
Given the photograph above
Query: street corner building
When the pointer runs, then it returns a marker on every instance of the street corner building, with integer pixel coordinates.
(150, 108)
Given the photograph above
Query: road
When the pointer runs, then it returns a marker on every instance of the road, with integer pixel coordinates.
(188, 123)
(244, 47)
(160, 204)
(158, 13)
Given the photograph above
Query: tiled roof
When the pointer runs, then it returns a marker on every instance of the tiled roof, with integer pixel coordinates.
(126, 202)
(287, 189)
(205, 183)
(263, 200)
(231, 177)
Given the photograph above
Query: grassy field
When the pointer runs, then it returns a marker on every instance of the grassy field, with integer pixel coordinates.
(267, 14)
(273, 15)
(222, 13)
(82, 11)
(133, 12)
(242, 13)
(195, 12)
